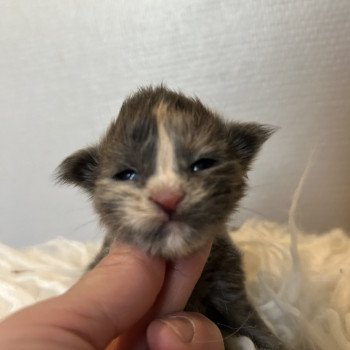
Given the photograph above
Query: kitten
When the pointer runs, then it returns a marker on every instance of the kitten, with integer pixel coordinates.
(166, 176)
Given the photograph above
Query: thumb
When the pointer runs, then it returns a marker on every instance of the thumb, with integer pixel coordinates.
(184, 331)
(108, 300)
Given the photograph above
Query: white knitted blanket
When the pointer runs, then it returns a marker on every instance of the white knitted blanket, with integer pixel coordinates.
(302, 290)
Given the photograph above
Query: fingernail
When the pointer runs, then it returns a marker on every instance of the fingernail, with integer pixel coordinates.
(182, 326)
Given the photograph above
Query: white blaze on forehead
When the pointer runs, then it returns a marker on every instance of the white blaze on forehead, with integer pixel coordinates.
(165, 152)
(165, 172)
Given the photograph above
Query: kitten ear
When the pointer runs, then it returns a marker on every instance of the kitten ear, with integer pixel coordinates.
(79, 169)
(246, 140)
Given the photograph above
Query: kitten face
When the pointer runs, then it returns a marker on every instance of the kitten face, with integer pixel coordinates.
(168, 172)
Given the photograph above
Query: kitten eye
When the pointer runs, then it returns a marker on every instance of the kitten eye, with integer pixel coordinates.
(202, 164)
(126, 175)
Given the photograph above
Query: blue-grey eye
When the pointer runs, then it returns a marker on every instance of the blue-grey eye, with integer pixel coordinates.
(126, 175)
(202, 164)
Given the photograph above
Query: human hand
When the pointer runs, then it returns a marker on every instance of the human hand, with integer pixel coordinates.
(129, 297)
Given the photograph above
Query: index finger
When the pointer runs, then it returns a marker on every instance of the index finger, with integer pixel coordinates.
(180, 279)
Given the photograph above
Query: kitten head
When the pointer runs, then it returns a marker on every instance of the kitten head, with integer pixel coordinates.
(167, 173)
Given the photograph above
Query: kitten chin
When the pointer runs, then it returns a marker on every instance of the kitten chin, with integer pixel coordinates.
(177, 240)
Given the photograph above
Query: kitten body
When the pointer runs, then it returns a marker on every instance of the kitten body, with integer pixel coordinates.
(166, 176)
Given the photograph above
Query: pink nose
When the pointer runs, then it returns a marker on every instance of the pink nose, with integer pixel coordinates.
(168, 199)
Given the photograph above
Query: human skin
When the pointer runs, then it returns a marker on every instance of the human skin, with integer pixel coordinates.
(128, 301)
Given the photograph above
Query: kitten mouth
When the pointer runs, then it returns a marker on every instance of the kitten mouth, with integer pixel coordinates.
(173, 218)
(170, 221)
(167, 222)
(174, 223)
(167, 215)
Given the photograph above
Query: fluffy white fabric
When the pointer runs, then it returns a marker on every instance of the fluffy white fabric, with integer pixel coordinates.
(302, 289)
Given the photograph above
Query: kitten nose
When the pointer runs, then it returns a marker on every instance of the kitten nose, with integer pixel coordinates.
(168, 199)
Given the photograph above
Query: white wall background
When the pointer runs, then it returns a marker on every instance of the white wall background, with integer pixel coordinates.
(66, 65)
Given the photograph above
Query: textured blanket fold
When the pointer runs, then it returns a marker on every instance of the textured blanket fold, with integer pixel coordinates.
(301, 289)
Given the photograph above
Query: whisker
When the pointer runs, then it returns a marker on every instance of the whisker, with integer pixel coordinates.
(262, 185)
(85, 224)
(253, 211)
(236, 331)
(226, 326)
(207, 341)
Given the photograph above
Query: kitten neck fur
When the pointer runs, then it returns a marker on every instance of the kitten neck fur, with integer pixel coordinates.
(168, 172)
